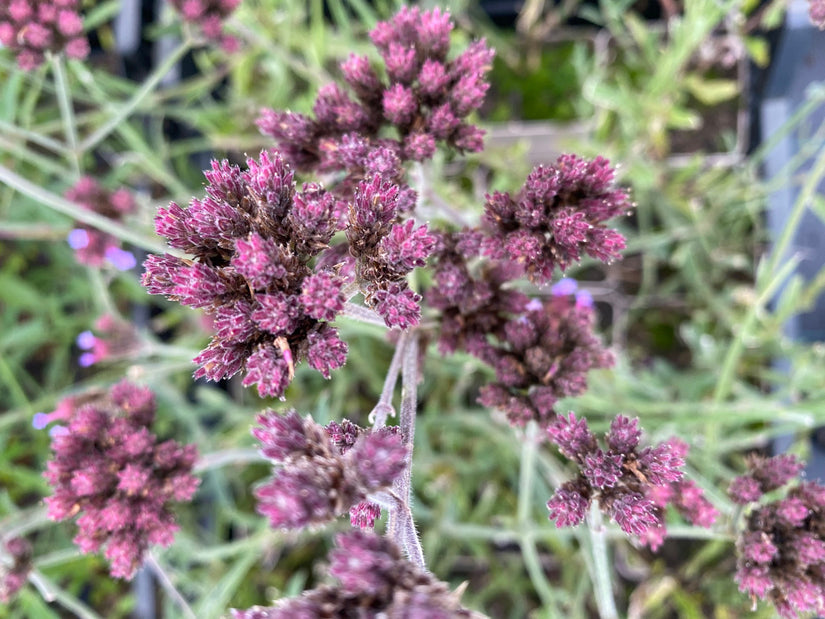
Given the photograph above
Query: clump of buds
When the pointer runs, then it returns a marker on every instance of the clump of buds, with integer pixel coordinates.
(30, 28)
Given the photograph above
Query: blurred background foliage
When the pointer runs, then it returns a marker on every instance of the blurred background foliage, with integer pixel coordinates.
(687, 311)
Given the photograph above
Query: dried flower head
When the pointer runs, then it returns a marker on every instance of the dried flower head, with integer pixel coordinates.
(557, 216)
(426, 97)
(782, 545)
(542, 355)
(91, 246)
(15, 565)
(375, 581)
(251, 240)
(30, 28)
(110, 469)
(620, 475)
(322, 475)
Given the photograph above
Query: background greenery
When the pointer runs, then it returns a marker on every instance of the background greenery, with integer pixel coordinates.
(689, 310)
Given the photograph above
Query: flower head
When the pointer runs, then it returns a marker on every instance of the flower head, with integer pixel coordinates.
(557, 216)
(109, 469)
(325, 472)
(92, 247)
(371, 573)
(632, 485)
(252, 239)
(30, 28)
(15, 564)
(208, 16)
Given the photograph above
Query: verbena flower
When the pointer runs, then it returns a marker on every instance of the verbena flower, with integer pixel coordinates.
(817, 12)
(542, 355)
(782, 545)
(619, 475)
(420, 91)
(557, 216)
(374, 581)
(15, 565)
(386, 251)
(30, 28)
(209, 17)
(93, 247)
(116, 339)
(251, 240)
(111, 471)
(321, 476)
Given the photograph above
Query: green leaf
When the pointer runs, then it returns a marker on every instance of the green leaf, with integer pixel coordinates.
(758, 50)
(711, 91)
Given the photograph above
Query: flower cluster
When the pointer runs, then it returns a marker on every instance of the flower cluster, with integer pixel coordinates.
(208, 16)
(252, 238)
(817, 12)
(619, 477)
(15, 564)
(119, 339)
(375, 581)
(543, 354)
(109, 468)
(683, 494)
(782, 546)
(30, 28)
(324, 473)
(385, 252)
(426, 97)
(557, 215)
(91, 246)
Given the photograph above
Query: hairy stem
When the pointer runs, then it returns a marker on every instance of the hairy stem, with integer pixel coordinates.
(168, 586)
(217, 459)
(603, 581)
(401, 526)
(383, 409)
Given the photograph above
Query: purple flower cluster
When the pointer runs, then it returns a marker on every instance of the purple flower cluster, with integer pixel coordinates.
(92, 247)
(619, 476)
(683, 494)
(118, 341)
(109, 468)
(323, 473)
(385, 252)
(30, 28)
(557, 215)
(541, 350)
(252, 238)
(782, 546)
(426, 97)
(375, 581)
(543, 354)
(15, 564)
(208, 16)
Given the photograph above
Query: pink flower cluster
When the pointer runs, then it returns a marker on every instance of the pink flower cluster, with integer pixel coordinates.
(375, 581)
(621, 477)
(324, 473)
(541, 350)
(557, 216)
(30, 28)
(209, 16)
(91, 246)
(110, 469)
(251, 240)
(542, 355)
(782, 546)
(385, 252)
(118, 340)
(817, 12)
(15, 564)
(425, 99)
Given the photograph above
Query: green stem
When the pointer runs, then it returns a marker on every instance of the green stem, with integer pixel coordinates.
(53, 593)
(602, 575)
(217, 459)
(78, 213)
(123, 112)
(64, 101)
